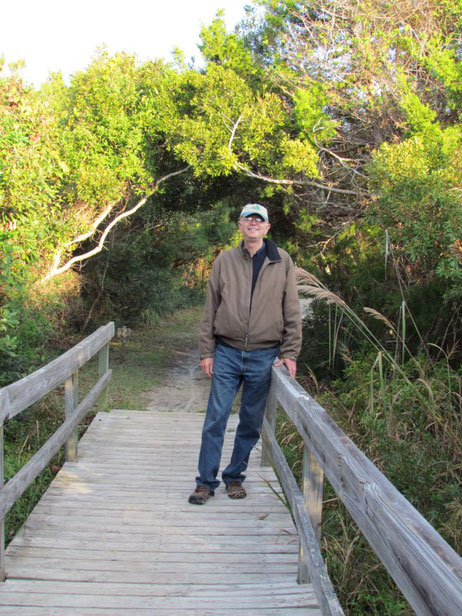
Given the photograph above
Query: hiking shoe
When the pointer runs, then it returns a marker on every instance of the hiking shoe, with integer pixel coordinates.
(235, 489)
(200, 495)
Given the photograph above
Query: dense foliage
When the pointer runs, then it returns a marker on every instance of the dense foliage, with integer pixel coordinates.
(118, 189)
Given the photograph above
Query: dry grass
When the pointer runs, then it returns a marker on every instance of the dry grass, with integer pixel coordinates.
(380, 317)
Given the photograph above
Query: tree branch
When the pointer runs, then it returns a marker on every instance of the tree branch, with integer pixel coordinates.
(55, 270)
(95, 224)
(265, 178)
(284, 182)
(233, 132)
(100, 291)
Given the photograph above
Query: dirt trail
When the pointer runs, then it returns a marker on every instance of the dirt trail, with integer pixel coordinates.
(184, 387)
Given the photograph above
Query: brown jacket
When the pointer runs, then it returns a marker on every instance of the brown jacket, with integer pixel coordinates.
(274, 317)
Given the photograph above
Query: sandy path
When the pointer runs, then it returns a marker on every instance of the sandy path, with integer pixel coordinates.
(184, 387)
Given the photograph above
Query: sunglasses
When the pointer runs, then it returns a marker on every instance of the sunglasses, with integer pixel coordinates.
(258, 219)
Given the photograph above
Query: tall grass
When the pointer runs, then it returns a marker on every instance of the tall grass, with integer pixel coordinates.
(404, 411)
(414, 371)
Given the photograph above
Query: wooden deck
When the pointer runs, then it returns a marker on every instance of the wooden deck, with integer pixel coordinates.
(115, 535)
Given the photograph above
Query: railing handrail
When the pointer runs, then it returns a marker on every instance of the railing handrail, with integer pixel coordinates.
(18, 396)
(310, 553)
(423, 565)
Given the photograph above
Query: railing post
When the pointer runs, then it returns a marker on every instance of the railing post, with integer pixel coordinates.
(71, 397)
(270, 414)
(2, 523)
(103, 360)
(312, 489)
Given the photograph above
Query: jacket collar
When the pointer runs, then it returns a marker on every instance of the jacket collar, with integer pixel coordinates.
(271, 250)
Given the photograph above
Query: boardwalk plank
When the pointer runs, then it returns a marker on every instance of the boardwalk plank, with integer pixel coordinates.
(241, 545)
(114, 533)
(153, 602)
(192, 611)
(146, 577)
(212, 590)
(66, 554)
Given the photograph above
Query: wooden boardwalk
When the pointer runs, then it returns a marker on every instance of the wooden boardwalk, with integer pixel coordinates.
(114, 534)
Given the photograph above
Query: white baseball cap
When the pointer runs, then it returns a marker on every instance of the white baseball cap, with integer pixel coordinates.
(254, 208)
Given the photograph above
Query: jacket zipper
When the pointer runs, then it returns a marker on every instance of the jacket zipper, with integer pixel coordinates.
(249, 292)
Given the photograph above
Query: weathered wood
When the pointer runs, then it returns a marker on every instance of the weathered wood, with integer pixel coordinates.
(426, 569)
(2, 522)
(312, 490)
(314, 562)
(229, 611)
(47, 540)
(71, 401)
(313, 487)
(144, 515)
(253, 526)
(20, 395)
(155, 555)
(122, 544)
(133, 603)
(213, 589)
(132, 576)
(138, 544)
(23, 478)
(270, 416)
(236, 567)
(103, 366)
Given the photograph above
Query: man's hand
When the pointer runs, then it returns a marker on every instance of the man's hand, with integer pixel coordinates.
(291, 365)
(207, 366)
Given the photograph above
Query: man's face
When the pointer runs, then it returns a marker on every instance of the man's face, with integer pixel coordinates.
(253, 227)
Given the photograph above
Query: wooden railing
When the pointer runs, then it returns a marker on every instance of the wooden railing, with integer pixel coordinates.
(426, 569)
(18, 396)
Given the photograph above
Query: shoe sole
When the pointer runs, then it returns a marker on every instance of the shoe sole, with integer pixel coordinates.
(195, 500)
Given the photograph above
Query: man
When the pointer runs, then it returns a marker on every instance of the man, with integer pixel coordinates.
(251, 315)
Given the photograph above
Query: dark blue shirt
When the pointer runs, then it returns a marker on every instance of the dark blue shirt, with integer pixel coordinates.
(257, 262)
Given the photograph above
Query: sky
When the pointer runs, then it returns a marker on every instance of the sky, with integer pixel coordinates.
(58, 35)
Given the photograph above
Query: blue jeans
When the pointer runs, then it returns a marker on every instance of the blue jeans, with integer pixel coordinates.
(231, 368)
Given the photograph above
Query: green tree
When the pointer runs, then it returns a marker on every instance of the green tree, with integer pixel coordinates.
(419, 204)
(114, 118)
